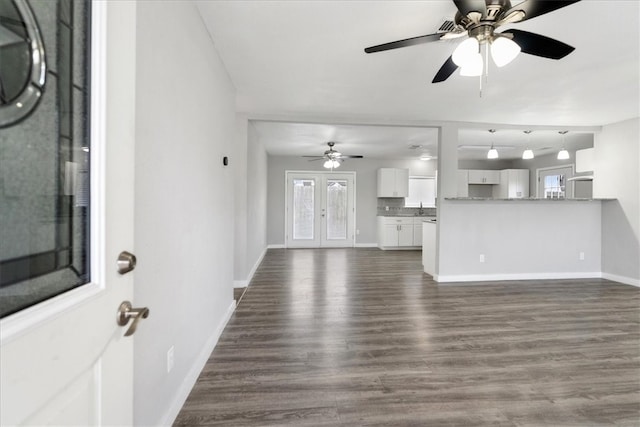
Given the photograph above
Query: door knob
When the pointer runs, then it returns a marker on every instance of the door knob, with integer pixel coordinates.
(126, 262)
(126, 312)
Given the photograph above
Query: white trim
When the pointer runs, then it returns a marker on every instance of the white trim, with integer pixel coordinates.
(520, 276)
(197, 366)
(254, 268)
(365, 245)
(26, 320)
(622, 279)
(276, 246)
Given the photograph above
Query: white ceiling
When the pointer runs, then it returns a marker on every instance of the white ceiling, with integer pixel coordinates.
(303, 63)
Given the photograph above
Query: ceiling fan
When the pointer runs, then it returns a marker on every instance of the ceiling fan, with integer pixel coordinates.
(478, 21)
(332, 157)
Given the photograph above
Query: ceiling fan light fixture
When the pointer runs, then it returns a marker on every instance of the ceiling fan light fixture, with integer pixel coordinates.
(331, 164)
(527, 154)
(473, 67)
(465, 52)
(493, 153)
(504, 50)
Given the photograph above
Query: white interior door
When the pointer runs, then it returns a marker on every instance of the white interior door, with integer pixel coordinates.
(320, 209)
(553, 184)
(65, 361)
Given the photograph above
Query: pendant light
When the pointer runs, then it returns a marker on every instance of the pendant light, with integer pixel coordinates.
(563, 154)
(528, 153)
(493, 153)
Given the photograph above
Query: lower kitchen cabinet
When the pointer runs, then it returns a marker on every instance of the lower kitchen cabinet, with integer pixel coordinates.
(399, 232)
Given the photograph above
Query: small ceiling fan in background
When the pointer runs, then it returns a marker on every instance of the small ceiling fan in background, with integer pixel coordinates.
(477, 20)
(332, 158)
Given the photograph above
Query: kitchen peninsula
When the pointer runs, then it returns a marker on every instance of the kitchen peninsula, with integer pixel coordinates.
(481, 239)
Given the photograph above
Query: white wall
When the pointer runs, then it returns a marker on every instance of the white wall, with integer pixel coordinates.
(239, 167)
(256, 202)
(366, 190)
(616, 174)
(184, 204)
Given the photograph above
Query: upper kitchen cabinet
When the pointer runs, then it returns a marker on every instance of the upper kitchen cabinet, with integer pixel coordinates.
(514, 184)
(393, 182)
(484, 176)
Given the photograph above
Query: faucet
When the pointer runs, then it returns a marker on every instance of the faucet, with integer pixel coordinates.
(420, 211)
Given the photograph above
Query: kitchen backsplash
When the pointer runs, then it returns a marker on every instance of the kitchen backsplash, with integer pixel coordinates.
(396, 207)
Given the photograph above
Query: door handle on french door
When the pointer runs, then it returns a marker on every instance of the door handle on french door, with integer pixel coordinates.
(127, 312)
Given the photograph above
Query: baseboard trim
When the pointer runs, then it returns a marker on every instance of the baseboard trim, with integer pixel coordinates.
(255, 267)
(192, 376)
(622, 279)
(278, 246)
(240, 283)
(366, 245)
(520, 276)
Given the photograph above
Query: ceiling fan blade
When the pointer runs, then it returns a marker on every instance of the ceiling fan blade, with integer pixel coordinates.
(351, 157)
(531, 8)
(467, 6)
(535, 44)
(404, 43)
(448, 68)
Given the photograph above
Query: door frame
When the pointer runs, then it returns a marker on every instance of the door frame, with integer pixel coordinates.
(548, 168)
(287, 173)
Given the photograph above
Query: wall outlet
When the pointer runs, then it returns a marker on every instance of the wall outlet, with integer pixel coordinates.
(386, 208)
(481, 258)
(170, 359)
(581, 256)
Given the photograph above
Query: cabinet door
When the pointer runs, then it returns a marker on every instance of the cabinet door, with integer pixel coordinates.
(386, 182)
(491, 177)
(390, 235)
(402, 183)
(476, 176)
(405, 235)
(523, 182)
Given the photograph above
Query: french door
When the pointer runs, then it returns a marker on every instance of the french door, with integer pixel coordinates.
(320, 209)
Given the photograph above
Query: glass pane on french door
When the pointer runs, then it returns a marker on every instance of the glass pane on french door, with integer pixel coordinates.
(303, 209)
(336, 222)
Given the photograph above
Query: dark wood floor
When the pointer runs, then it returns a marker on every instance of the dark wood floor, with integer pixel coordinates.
(354, 337)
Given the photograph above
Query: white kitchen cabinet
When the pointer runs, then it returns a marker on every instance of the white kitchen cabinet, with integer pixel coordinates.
(514, 184)
(393, 182)
(477, 176)
(398, 232)
(463, 183)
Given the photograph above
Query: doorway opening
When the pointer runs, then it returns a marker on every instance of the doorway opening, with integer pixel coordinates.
(553, 182)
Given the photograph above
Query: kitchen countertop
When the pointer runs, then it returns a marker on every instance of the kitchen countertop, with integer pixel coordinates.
(407, 215)
(528, 199)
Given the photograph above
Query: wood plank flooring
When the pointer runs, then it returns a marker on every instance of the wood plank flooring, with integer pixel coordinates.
(361, 337)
